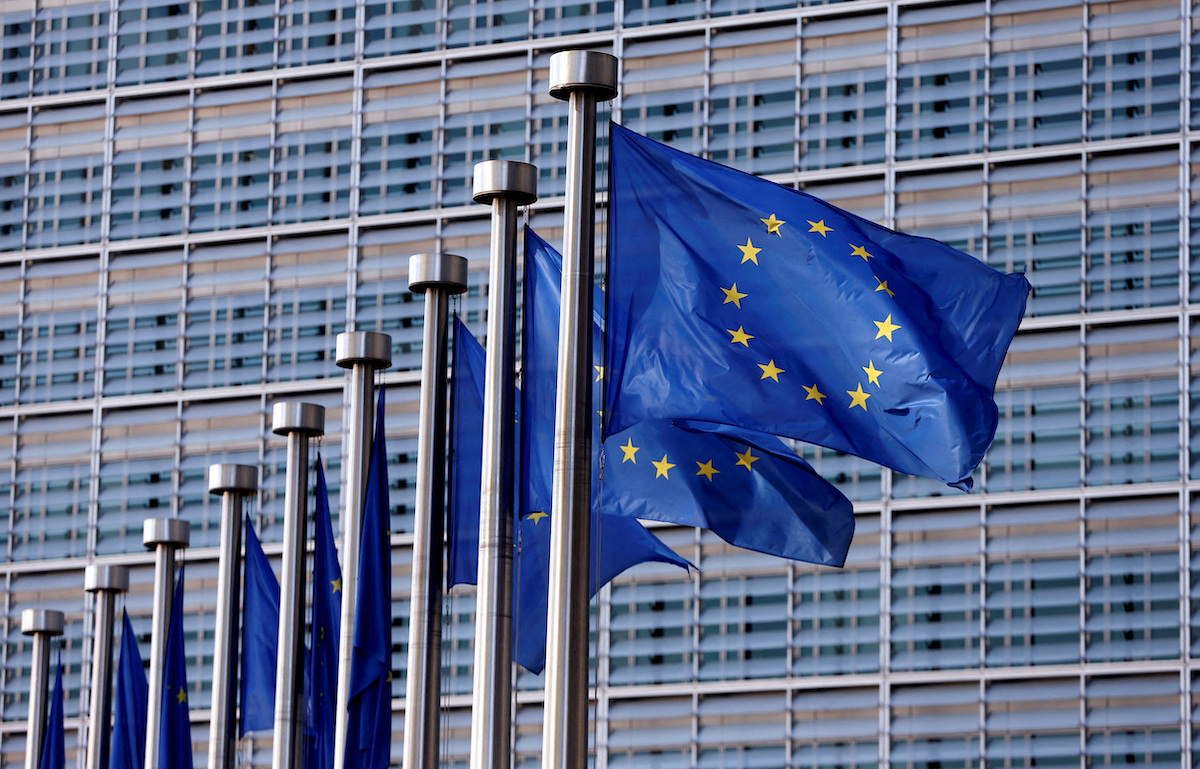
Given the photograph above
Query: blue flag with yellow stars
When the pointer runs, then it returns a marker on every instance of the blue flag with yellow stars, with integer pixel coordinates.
(175, 745)
(369, 727)
(54, 745)
(260, 638)
(738, 301)
(326, 625)
(626, 542)
(129, 712)
(746, 487)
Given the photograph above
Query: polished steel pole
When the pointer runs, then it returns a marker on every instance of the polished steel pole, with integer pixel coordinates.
(233, 483)
(104, 581)
(437, 276)
(363, 353)
(506, 185)
(42, 624)
(165, 536)
(299, 422)
(581, 78)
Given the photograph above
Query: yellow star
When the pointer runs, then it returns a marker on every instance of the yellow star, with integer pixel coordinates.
(858, 397)
(820, 227)
(389, 677)
(814, 394)
(769, 370)
(740, 336)
(883, 286)
(181, 697)
(860, 251)
(886, 327)
(872, 373)
(733, 295)
(662, 467)
(747, 459)
(630, 452)
(749, 252)
(336, 584)
(773, 225)
(707, 469)
(599, 372)
(536, 517)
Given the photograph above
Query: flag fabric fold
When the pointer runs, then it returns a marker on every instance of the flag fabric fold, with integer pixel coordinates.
(369, 727)
(54, 745)
(260, 638)
(737, 301)
(175, 746)
(747, 487)
(326, 625)
(129, 713)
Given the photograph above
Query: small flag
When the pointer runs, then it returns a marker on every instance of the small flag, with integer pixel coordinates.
(129, 714)
(326, 626)
(260, 638)
(175, 747)
(54, 746)
(737, 301)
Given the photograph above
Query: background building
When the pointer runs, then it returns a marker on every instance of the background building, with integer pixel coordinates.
(196, 197)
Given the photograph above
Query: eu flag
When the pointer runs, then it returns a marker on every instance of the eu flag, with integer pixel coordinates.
(175, 746)
(369, 727)
(747, 487)
(129, 713)
(326, 625)
(737, 301)
(54, 746)
(466, 457)
(260, 638)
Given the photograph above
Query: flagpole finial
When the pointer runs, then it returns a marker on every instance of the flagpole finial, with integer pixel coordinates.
(369, 347)
(507, 179)
(591, 71)
(296, 417)
(46, 621)
(241, 479)
(112, 577)
(444, 271)
(166, 531)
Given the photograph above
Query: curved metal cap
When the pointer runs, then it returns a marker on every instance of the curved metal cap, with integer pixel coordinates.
(508, 179)
(106, 577)
(590, 71)
(166, 531)
(240, 478)
(369, 347)
(445, 271)
(296, 417)
(46, 621)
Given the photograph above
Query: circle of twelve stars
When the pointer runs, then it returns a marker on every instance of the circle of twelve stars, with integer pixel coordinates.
(858, 396)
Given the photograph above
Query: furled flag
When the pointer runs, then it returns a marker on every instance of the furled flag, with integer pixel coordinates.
(54, 746)
(738, 301)
(175, 745)
(748, 488)
(326, 625)
(626, 542)
(369, 727)
(260, 638)
(129, 714)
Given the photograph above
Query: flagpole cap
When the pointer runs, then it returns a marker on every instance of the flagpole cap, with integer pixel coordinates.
(591, 71)
(240, 479)
(106, 577)
(166, 531)
(444, 271)
(296, 417)
(369, 347)
(46, 621)
(505, 179)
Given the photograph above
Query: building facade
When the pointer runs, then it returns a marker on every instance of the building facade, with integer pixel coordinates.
(197, 196)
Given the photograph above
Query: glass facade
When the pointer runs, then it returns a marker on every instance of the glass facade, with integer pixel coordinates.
(197, 197)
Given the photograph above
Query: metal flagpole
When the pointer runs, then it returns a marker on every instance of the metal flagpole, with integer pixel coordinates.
(42, 624)
(105, 582)
(232, 482)
(363, 352)
(299, 422)
(581, 78)
(165, 536)
(437, 276)
(506, 185)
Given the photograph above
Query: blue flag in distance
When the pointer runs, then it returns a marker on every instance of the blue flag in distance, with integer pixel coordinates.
(132, 698)
(326, 626)
(175, 744)
(737, 301)
(466, 460)
(260, 638)
(54, 744)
